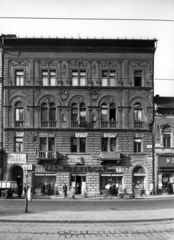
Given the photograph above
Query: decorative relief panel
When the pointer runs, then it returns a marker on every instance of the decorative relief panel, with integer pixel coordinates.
(138, 64)
(63, 95)
(93, 95)
(49, 64)
(109, 64)
(94, 69)
(63, 68)
(26, 93)
(79, 64)
(19, 63)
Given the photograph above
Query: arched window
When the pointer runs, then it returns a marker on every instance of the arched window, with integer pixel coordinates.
(108, 115)
(139, 171)
(19, 114)
(138, 116)
(48, 115)
(78, 115)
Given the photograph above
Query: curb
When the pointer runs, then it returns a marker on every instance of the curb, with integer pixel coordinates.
(86, 221)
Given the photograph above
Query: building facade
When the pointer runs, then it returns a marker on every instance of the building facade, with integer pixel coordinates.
(164, 144)
(78, 111)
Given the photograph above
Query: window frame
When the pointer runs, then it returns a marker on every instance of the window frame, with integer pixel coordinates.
(47, 115)
(138, 146)
(79, 77)
(78, 140)
(23, 71)
(48, 77)
(138, 76)
(108, 144)
(47, 146)
(109, 108)
(165, 140)
(108, 77)
(21, 143)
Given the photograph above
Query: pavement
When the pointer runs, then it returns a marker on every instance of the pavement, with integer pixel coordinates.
(80, 216)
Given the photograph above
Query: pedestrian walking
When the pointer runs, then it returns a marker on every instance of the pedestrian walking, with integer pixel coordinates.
(65, 190)
(86, 190)
(73, 192)
(142, 191)
(151, 188)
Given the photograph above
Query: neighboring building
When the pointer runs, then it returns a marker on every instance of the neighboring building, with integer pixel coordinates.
(164, 144)
(1, 166)
(77, 111)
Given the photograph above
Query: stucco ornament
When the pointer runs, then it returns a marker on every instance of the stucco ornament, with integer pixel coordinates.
(93, 95)
(19, 63)
(63, 95)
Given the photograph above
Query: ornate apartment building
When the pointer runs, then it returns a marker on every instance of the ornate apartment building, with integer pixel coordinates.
(164, 144)
(78, 111)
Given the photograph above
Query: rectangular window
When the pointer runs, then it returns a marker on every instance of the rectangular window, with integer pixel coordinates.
(108, 78)
(108, 144)
(19, 144)
(19, 114)
(47, 147)
(19, 78)
(78, 144)
(78, 78)
(49, 78)
(138, 78)
(137, 145)
(138, 116)
(166, 141)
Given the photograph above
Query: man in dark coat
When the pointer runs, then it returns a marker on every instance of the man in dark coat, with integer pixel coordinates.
(65, 190)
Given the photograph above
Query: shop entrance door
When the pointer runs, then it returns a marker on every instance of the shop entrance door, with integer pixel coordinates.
(78, 181)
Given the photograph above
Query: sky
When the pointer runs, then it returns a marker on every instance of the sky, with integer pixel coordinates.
(163, 31)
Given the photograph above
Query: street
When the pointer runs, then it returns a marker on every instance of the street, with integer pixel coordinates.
(90, 219)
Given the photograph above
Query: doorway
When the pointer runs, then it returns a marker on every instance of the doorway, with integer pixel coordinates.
(78, 181)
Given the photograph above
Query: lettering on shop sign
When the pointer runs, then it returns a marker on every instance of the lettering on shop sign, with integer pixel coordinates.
(51, 168)
(169, 160)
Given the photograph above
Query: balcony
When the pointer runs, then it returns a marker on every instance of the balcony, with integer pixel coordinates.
(108, 124)
(78, 125)
(48, 124)
(19, 124)
(47, 155)
(138, 125)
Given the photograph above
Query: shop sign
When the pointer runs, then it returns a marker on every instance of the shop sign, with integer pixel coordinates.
(82, 135)
(166, 161)
(28, 167)
(110, 155)
(16, 158)
(100, 169)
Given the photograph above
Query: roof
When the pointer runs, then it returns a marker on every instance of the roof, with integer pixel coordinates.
(132, 45)
(164, 102)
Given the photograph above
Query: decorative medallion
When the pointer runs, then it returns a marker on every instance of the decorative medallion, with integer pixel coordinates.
(63, 95)
(79, 100)
(93, 95)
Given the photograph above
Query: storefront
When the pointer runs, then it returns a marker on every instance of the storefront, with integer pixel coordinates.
(165, 174)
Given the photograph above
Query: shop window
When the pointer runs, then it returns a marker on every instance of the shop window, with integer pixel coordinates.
(19, 144)
(48, 115)
(138, 78)
(108, 144)
(166, 140)
(78, 144)
(79, 78)
(19, 114)
(108, 78)
(137, 145)
(47, 147)
(49, 78)
(78, 115)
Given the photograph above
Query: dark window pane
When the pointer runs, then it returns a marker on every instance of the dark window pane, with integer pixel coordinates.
(82, 144)
(19, 144)
(43, 114)
(112, 144)
(52, 116)
(104, 144)
(19, 114)
(138, 78)
(74, 145)
(43, 144)
(51, 144)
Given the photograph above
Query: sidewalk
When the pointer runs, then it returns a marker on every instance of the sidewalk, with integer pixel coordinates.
(81, 216)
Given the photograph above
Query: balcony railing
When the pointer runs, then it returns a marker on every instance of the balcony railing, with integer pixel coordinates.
(138, 125)
(48, 124)
(48, 155)
(108, 124)
(19, 124)
(78, 124)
